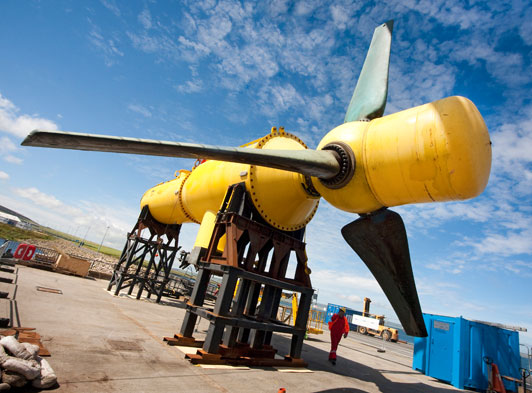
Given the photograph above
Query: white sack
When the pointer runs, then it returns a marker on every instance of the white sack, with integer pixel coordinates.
(29, 369)
(47, 378)
(32, 349)
(13, 379)
(15, 348)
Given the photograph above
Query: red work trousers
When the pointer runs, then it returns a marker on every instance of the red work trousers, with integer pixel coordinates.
(335, 340)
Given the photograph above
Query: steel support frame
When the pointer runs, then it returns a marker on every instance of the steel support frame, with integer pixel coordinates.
(256, 256)
(238, 316)
(159, 249)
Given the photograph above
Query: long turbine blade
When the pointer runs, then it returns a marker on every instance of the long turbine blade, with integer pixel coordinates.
(318, 163)
(371, 91)
(380, 241)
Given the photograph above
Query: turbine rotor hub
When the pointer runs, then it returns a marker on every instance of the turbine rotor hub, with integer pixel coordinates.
(346, 158)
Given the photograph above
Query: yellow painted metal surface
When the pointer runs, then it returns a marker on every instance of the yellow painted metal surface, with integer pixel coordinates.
(278, 196)
(206, 187)
(356, 196)
(165, 200)
(204, 235)
(435, 152)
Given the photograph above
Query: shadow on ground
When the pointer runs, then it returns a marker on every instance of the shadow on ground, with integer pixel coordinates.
(318, 361)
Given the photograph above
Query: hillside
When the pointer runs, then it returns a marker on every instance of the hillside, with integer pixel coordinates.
(4, 209)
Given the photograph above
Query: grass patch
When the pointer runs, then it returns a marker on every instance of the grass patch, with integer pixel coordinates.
(104, 250)
(87, 244)
(9, 232)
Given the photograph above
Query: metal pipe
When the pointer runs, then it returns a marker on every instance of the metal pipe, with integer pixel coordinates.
(105, 234)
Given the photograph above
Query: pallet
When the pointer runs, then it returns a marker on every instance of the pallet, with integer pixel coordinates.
(203, 357)
(27, 335)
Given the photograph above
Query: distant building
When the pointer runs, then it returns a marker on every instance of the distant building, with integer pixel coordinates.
(15, 221)
(24, 225)
(9, 219)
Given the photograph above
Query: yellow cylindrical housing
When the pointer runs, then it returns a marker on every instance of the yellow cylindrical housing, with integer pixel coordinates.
(206, 187)
(435, 152)
(165, 200)
(279, 196)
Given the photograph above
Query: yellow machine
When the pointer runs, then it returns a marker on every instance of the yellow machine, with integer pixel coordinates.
(432, 153)
(387, 333)
(437, 152)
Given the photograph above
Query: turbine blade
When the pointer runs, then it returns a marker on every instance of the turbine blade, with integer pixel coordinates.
(318, 163)
(369, 98)
(380, 241)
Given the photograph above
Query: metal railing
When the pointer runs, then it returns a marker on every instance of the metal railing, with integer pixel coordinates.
(527, 367)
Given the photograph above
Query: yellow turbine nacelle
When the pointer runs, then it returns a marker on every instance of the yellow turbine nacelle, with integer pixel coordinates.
(282, 198)
(435, 152)
(431, 153)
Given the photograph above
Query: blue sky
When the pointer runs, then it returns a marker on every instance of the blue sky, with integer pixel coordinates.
(224, 72)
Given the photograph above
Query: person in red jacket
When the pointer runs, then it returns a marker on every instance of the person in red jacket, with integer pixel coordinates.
(338, 326)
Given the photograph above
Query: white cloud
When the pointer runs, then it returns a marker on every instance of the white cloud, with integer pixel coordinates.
(145, 19)
(111, 6)
(4, 175)
(332, 278)
(343, 13)
(505, 244)
(192, 86)
(142, 110)
(38, 197)
(13, 159)
(525, 29)
(278, 7)
(85, 217)
(452, 267)
(11, 121)
(303, 8)
(6, 145)
(107, 46)
(279, 98)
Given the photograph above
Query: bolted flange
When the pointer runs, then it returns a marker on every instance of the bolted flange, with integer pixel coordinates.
(346, 159)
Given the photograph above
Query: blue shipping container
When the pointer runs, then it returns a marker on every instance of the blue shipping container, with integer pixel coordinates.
(455, 351)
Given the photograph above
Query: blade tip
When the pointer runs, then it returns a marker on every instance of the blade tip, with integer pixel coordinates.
(29, 137)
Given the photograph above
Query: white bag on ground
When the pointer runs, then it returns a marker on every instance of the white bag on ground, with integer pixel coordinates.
(47, 379)
(32, 349)
(13, 379)
(3, 355)
(15, 348)
(29, 369)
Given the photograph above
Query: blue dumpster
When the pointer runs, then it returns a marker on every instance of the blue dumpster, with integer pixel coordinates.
(456, 350)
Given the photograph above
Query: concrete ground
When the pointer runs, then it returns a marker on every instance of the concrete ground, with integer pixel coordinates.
(104, 343)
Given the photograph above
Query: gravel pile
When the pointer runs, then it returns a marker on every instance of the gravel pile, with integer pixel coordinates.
(100, 262)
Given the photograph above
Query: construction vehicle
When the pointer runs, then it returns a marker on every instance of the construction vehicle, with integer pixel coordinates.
(367, 326)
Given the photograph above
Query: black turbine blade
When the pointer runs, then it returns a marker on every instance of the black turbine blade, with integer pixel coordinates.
(380, 241)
